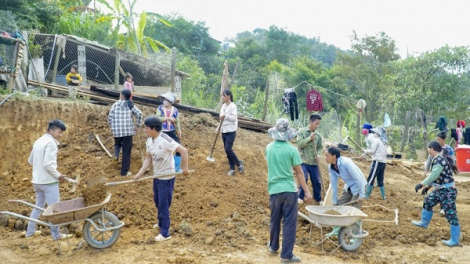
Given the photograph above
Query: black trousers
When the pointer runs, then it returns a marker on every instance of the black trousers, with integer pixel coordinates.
(293, 106)
(126, 144)
(229, 139)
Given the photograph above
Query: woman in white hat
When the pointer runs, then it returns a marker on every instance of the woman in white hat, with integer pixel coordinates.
(169, 116)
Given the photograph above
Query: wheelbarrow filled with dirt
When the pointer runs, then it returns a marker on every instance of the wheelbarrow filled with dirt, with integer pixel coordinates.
(348, 218)
(351, 234)
(100, 230)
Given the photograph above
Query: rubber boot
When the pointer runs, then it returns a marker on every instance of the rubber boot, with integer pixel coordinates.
(454, 237)
(382, 192)
(177, 163)
(334, 233)
(368, 191)
(425, 219)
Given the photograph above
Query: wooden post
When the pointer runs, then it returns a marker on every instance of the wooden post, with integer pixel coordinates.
(117, 64)
(173, 69)
(425, 127)
(56, 65)
(56, 62)
(404, 138)
(235, 74)
(266, 92)
(358, 126)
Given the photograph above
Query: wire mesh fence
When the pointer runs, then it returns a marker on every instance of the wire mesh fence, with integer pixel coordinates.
(105, 66)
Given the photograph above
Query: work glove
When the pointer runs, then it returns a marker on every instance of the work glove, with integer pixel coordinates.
(425, 190)
(418, 186)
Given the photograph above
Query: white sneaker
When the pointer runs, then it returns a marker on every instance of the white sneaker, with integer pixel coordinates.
(64, 236)
(161, 238)
(300, 201)
(36, 233)
(155, 226)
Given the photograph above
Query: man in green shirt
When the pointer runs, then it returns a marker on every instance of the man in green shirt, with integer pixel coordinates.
(281, 157)
(310, 147)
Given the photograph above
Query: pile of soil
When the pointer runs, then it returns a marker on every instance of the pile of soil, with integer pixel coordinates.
(214, 218)
(94, 194)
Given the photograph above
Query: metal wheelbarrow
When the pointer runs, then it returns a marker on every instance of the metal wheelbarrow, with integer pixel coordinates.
(100, 230)
(350, 235)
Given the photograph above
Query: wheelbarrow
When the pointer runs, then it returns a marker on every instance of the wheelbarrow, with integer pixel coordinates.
(350, 235)
(100, 230)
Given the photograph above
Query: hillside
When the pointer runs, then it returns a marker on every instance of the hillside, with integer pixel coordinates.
(215, 218)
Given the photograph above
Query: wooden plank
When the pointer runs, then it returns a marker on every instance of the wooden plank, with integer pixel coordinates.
(243, 122)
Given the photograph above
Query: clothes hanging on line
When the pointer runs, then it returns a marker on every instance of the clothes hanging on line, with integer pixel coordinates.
(285, 101)
(314, 101)
(293, 106)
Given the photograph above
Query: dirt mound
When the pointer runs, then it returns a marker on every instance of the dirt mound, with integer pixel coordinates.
(215, 217)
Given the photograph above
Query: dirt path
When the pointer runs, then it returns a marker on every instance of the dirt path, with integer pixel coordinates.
(215, 218)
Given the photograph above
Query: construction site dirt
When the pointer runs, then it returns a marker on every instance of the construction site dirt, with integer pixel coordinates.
(215, 218)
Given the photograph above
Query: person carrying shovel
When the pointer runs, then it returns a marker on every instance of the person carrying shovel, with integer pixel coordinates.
(160, 150)
(354, 181)
(229, 124)
(310, 145)
(46, 178)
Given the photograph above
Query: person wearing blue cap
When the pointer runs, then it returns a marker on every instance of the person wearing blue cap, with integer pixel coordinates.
(366, 127)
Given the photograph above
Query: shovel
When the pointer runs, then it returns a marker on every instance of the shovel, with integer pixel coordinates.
(102, 179)
(75, 183)
(210, 158)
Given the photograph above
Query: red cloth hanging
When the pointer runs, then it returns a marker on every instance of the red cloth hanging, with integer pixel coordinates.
(314, 101)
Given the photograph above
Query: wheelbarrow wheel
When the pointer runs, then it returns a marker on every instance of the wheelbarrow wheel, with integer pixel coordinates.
(99, 239)
(347, 239)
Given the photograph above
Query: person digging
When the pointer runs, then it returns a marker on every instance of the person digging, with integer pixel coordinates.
(354, 181)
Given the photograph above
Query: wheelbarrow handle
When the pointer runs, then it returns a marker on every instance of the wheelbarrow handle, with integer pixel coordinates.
(28, 204)
(146, 178)
(349, 203)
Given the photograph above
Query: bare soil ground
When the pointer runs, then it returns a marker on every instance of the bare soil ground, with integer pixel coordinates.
(215, 218)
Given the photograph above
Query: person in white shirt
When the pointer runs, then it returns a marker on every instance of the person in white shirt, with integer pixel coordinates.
(229, 125)
(46, 178)
(160, 152)
(378, 152)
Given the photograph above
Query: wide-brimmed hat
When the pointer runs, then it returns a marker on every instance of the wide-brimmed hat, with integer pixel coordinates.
(381, 132)
(282, 131)
(169, 96)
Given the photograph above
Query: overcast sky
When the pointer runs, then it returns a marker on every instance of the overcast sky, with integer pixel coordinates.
(415, 25)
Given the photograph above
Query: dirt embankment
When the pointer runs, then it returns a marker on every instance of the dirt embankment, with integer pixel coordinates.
(215, 218)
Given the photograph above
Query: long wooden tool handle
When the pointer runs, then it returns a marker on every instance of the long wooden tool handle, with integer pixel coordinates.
(318, 167)
(146, 178)
(98, 138)
(216, 136)
(357, 145)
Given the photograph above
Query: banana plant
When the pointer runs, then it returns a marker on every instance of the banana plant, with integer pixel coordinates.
(133, 38)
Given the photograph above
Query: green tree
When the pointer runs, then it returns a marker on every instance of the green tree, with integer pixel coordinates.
(436, 81)
(187, 36)
(33, 15)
